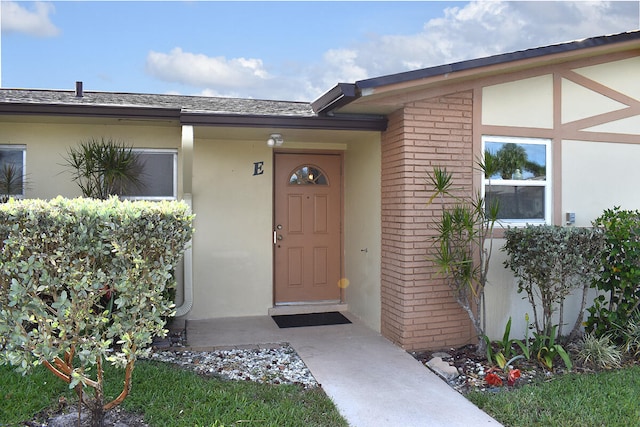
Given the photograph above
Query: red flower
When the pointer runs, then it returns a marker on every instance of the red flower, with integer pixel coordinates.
(514, 374)
(493, 379)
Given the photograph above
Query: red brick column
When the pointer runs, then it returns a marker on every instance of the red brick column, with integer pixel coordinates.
(418, 309)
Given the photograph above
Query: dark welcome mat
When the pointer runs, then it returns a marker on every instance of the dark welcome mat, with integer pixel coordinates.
(311, 319)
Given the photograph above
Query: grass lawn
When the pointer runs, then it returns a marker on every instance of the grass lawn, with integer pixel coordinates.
(582, 400)
(169, 396)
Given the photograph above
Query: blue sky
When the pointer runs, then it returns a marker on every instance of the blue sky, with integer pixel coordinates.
(273, 50)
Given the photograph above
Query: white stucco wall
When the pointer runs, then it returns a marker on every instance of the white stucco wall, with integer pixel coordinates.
(598, 176)
(504, 301)
(512, 103)
(363, 230)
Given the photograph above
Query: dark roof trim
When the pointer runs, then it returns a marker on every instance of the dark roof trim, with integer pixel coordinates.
(362, 123)
(339, 96)
(497, 59)
(344, 93)
(327, 123)
(116, 112)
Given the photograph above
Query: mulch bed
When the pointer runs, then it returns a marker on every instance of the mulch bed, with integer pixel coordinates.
(473, 368)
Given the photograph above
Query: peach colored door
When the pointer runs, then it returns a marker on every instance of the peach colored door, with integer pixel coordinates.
(307, 227)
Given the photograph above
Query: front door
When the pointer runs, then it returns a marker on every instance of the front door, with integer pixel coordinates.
(307, 227)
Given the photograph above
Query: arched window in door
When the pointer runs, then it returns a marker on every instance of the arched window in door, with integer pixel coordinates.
(308, 174)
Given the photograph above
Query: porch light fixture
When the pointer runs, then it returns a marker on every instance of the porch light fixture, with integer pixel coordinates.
(275, 140)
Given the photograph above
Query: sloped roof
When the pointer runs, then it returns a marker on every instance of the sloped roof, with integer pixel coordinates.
(346, 93)
(194, 110)
(194, 104)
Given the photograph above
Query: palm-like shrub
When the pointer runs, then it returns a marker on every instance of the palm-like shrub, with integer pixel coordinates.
(104, 167)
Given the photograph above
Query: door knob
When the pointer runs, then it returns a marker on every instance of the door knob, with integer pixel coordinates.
(279, 237)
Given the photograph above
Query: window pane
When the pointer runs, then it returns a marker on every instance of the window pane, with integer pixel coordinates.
(308, 175)
(517, 202)
(157, 175)
(517, 160)
(11, 171)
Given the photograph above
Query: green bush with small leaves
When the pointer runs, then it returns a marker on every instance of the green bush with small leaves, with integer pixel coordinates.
(619, 280)
(82, 282)
(549, 263)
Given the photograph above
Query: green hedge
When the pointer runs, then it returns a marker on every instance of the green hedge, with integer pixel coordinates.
(619, 281)
(62, 262)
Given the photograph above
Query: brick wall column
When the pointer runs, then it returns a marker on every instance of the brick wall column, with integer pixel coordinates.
(418, 309)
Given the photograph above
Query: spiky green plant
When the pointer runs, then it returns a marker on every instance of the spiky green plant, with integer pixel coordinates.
(631, 335)
(11, 180)
(104, 167)
(460, 252)
(599, 352)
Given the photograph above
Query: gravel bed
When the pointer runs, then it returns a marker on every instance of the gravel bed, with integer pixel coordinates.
(277, 365)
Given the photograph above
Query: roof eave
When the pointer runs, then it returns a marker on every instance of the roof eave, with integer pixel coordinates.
(338, 96)
(102, 111)
(311, 122)
(344, 94)
(528, 54)
(196, 118)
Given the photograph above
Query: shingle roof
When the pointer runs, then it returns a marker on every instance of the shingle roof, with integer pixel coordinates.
(191, 104)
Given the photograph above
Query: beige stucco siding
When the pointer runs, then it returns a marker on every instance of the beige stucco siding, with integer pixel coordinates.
(362, 230)
(48, 143)
(232, 244)
(233, 248)
(525, 103)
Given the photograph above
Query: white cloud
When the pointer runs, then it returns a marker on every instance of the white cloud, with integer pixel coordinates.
(487, 28)
(35, 21)
(200, 70)
(472, 30)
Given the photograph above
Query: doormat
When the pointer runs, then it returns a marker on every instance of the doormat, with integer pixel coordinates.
(311, 319)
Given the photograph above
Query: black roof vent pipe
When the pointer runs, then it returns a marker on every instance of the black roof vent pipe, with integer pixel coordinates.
(79, 93)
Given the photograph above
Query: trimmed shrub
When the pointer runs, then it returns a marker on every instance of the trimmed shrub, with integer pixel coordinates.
(550, 262)
(82, 282)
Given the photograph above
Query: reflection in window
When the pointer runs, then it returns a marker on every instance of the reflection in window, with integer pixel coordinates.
(308, 175)
(12, 166)
(516, 160)
(159, 175)
(518, 180)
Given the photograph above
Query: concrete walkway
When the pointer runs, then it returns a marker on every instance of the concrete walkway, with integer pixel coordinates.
(371, 381)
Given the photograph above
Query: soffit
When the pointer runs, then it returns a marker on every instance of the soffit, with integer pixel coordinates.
(315, 136)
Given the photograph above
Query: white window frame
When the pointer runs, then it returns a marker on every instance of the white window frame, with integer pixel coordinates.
(23, 149)
(547, 183)
(172, 151)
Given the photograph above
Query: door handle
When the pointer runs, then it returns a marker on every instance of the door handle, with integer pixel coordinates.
(277, 236)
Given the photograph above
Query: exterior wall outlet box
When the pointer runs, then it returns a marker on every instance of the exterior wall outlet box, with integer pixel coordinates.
(571, 218)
